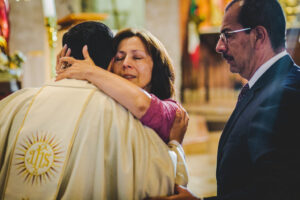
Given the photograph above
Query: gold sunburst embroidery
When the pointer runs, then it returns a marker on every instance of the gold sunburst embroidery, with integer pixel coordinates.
(38, 158)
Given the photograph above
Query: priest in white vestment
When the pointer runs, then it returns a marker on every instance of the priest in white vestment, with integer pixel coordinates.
(68, 140)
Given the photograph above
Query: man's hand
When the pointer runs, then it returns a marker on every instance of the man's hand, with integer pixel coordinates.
(182, 193)
(179, 125)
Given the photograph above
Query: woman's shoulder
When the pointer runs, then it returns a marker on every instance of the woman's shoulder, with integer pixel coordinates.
(169, 100)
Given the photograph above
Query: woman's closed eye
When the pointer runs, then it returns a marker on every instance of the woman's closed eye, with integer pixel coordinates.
(137, 57)
(119, 58)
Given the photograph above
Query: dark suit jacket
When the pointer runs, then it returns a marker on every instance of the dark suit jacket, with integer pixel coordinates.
(259, 150)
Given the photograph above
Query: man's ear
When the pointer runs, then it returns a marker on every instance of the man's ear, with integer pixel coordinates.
(261, 36)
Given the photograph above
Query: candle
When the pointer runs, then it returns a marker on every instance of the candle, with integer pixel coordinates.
(49, 8)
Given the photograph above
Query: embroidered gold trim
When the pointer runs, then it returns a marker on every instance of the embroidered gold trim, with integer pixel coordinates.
(72, 140)
(14, 146)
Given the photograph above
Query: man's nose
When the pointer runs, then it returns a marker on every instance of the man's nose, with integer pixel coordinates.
(221, 46)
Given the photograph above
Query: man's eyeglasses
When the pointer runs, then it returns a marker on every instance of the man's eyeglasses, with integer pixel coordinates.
(226, 35)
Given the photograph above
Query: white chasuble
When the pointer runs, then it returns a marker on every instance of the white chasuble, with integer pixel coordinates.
(68, 140)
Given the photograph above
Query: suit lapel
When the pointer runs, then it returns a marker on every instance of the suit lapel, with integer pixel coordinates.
(235, 115)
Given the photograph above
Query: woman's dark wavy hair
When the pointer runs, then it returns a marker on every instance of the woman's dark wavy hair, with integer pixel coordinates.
(266, 13)
(162, 81)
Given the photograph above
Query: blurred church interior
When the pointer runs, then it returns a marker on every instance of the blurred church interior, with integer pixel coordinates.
(30, 37)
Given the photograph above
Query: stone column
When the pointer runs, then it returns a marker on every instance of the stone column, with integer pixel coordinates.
(162, 20)
(28, 35)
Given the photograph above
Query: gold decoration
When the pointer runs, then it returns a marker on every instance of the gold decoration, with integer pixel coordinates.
(291, 9)
(10, 65)
(38, 158)
(51, 28)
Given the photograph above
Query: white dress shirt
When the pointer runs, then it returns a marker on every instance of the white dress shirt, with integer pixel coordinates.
(262, 69)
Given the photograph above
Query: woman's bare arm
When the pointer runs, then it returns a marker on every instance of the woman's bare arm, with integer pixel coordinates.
(132, 97)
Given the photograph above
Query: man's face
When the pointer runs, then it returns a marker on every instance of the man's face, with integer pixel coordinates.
(236, 47)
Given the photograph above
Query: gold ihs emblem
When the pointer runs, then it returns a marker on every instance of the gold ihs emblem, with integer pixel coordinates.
(39, 158)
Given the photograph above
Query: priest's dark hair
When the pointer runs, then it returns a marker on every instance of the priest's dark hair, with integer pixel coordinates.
(97, 36)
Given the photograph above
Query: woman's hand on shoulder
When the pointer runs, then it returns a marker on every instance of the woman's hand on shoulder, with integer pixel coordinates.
(180, 125)
(77, 69)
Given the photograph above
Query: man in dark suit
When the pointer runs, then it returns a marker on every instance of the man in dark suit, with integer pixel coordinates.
(259, 151)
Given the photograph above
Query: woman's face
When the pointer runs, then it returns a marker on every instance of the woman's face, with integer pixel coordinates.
(133, 62)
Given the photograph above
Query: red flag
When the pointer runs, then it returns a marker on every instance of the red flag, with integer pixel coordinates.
(4, 21)
(195, 57)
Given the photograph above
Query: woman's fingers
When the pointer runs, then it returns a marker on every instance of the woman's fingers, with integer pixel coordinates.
(64, 61)
(63, 73)
(68, 53)
(60, 77)
(185, 115)
(62, 51)
(74, 72)
(68, 60)
(63, 65)
(109, 68)
(179, 115)
(73, 68)
(180, 124)
(59, 67)
(85, 52)
(67, 73)
(86, 55)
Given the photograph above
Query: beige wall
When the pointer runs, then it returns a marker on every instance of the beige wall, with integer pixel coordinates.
(29, 36)
(162, 19)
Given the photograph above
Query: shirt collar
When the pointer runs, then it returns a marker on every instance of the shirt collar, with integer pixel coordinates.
(263, 68)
